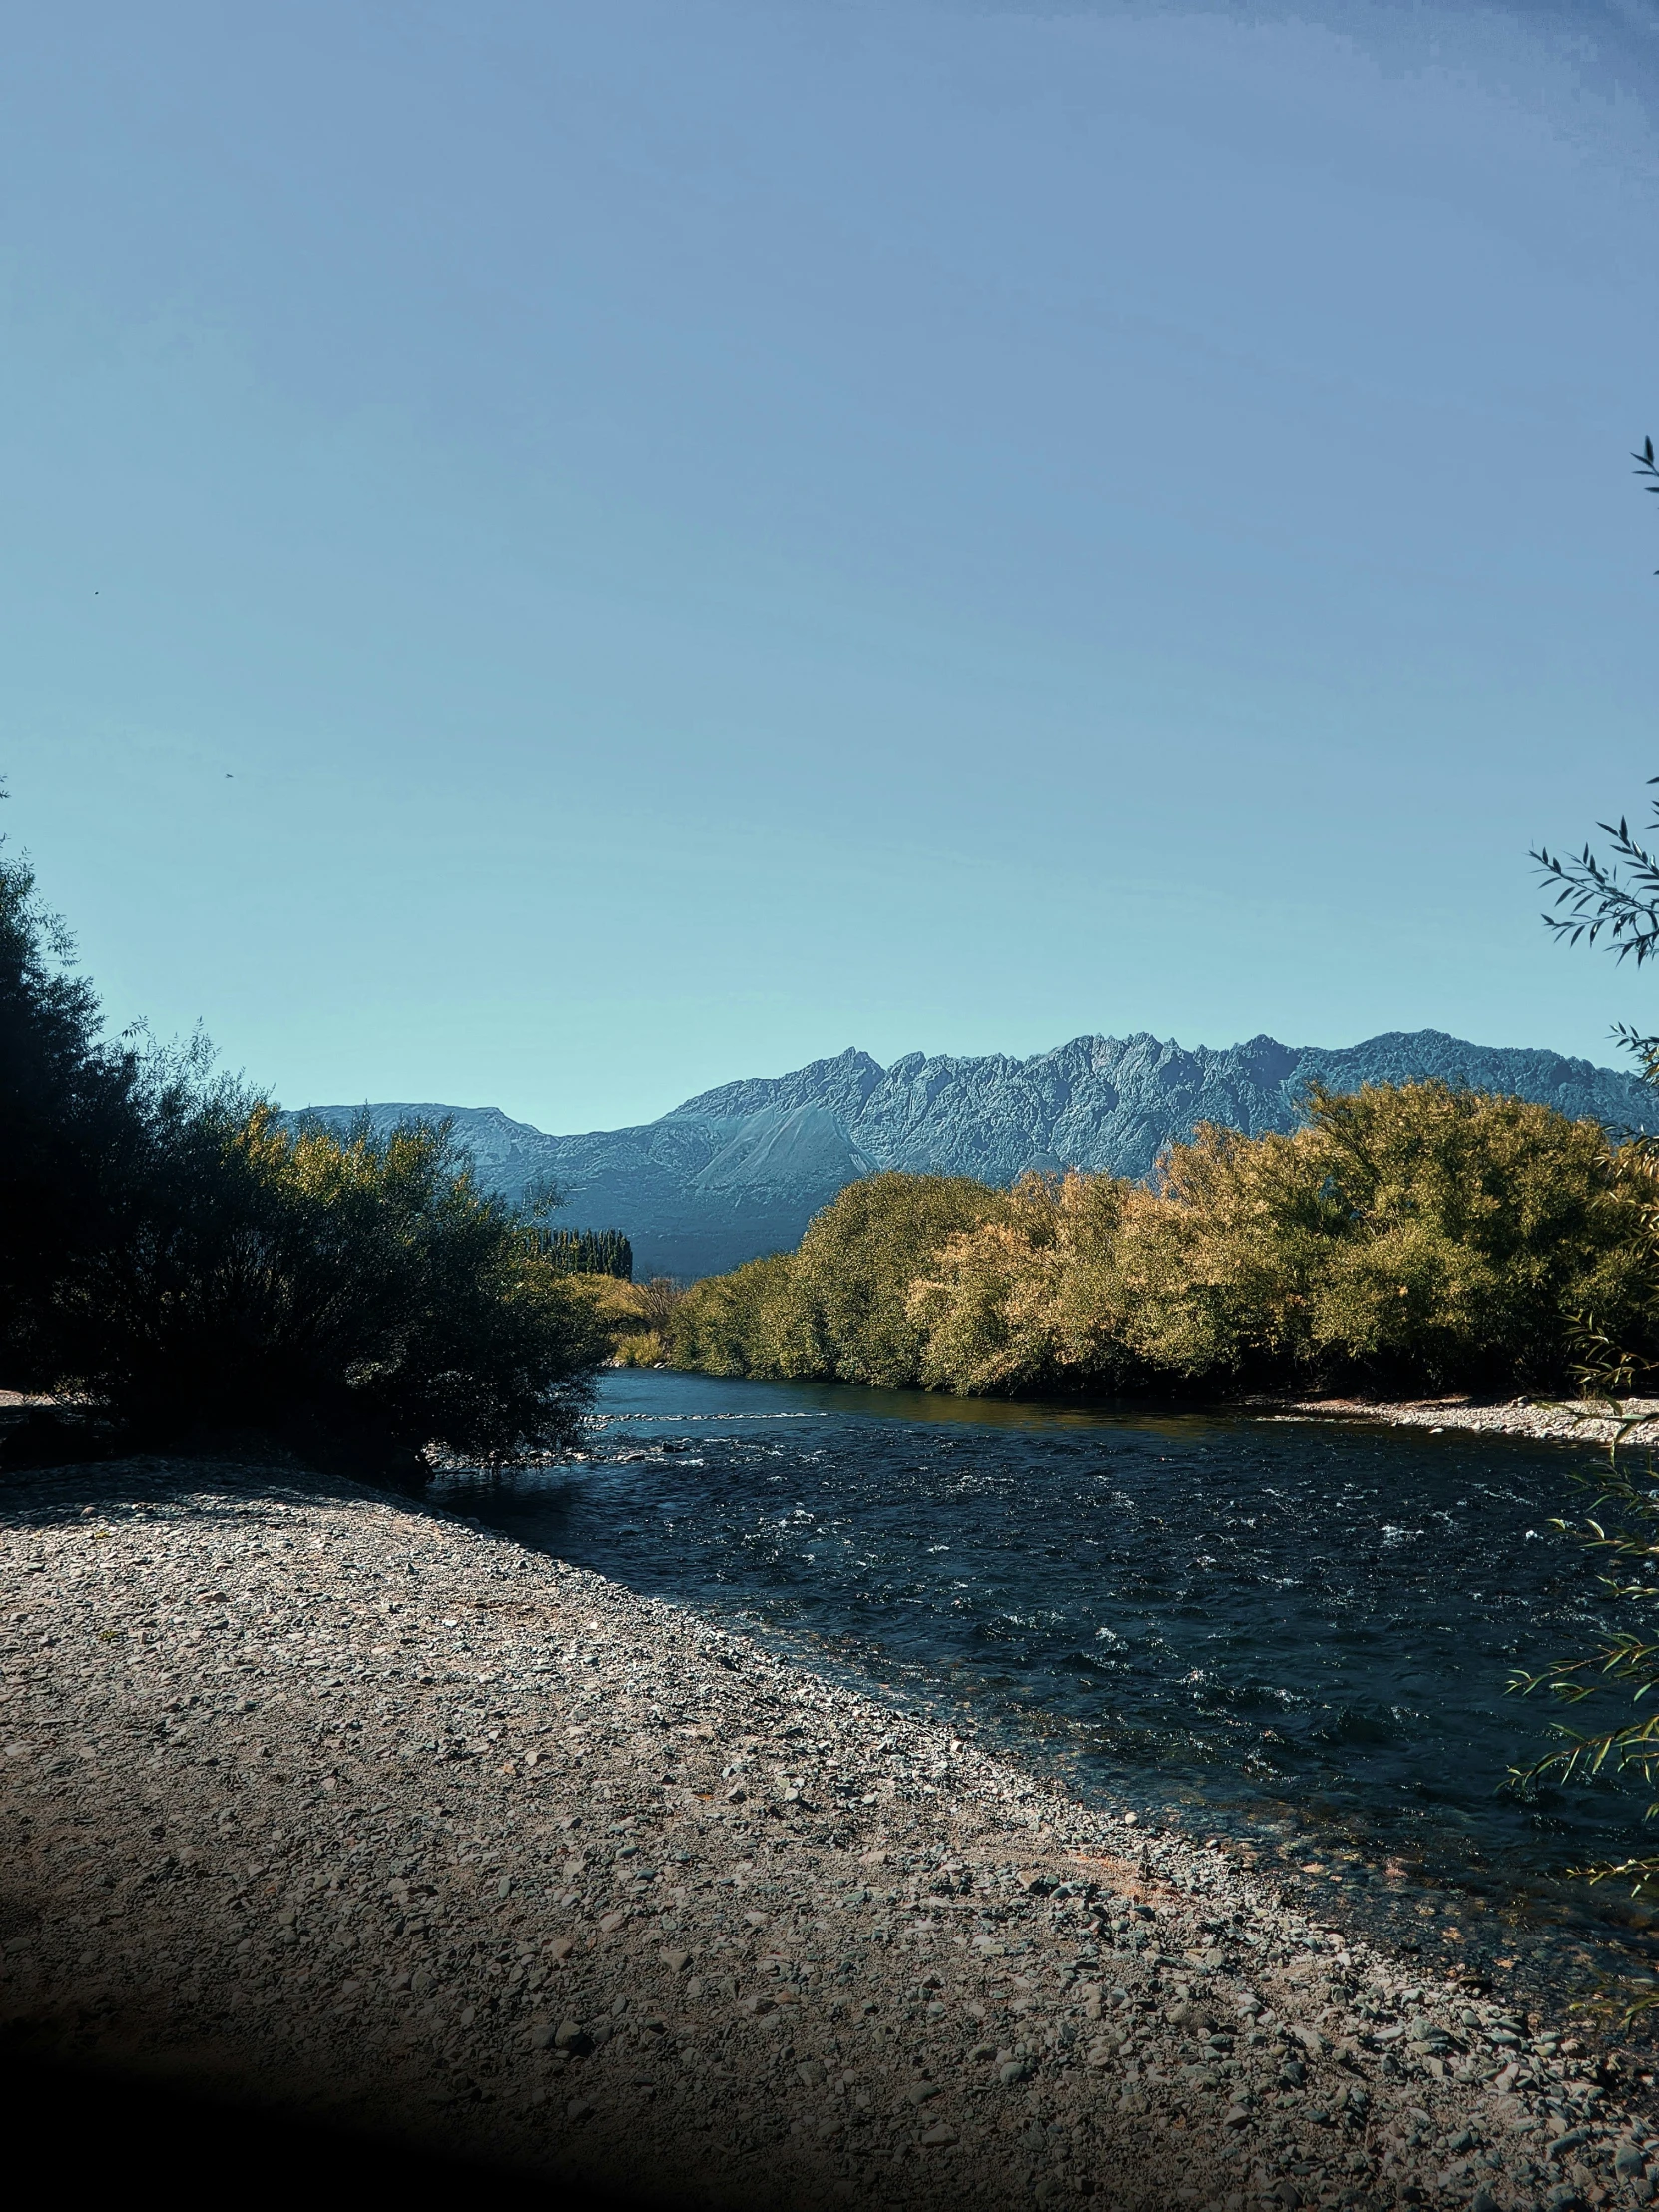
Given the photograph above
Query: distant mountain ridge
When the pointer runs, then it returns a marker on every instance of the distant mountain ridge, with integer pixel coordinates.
(740, 1170)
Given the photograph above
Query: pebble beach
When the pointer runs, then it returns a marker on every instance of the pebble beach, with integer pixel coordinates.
(330, 1799)
(1634, 1423)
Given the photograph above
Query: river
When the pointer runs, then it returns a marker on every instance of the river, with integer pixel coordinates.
(1296, 1635)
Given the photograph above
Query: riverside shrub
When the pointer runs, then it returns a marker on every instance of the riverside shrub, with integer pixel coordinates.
(358, 1293)
(173, 1257)
(1406, 1237)
(840, 1304)
(635, 1318)
(746, 1323)
(1469, 1233)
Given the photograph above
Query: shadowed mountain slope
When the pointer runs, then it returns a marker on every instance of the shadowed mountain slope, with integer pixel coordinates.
(740, 1170)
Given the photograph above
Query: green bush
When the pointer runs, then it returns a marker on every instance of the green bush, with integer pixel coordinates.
(646, 1347)
(634, 1320)
(1471, 1232)
(838, 1307)
(177, 1259)
(741, 1322)
(855, 1266)
(1407, 1236)
(358, 1293)
(1029, 1302)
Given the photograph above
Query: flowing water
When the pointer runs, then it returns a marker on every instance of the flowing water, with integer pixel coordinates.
(1296, 1635)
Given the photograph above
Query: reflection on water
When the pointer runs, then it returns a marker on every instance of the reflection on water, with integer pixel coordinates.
(1295, 1634)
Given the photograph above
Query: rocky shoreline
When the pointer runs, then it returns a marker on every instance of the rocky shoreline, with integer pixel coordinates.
(1580, 1422)
(336, 1800)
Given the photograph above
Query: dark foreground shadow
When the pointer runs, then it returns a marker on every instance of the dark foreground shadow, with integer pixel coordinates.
(103, 2135)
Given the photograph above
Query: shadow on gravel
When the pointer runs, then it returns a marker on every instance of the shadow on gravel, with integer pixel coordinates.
(34, 1436)
(132, 2136)
(43, 1438)
(60, 1488)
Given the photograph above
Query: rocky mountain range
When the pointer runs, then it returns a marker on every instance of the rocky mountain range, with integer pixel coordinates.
(742, 1170)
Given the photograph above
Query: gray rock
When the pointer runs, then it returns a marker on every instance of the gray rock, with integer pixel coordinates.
(1569, 2141)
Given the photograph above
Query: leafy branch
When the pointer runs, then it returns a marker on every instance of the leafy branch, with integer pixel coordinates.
(1594, 898)
(1625, 1661)
(1599, 899)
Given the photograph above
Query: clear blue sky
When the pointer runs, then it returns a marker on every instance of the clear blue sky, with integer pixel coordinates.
(554, 556)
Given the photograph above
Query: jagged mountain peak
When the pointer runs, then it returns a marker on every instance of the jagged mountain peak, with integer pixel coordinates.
(741, 1169)
(843, 1084)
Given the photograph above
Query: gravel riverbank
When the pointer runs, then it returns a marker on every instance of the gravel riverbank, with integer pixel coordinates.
(335, 1798)
(1581, 1422)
